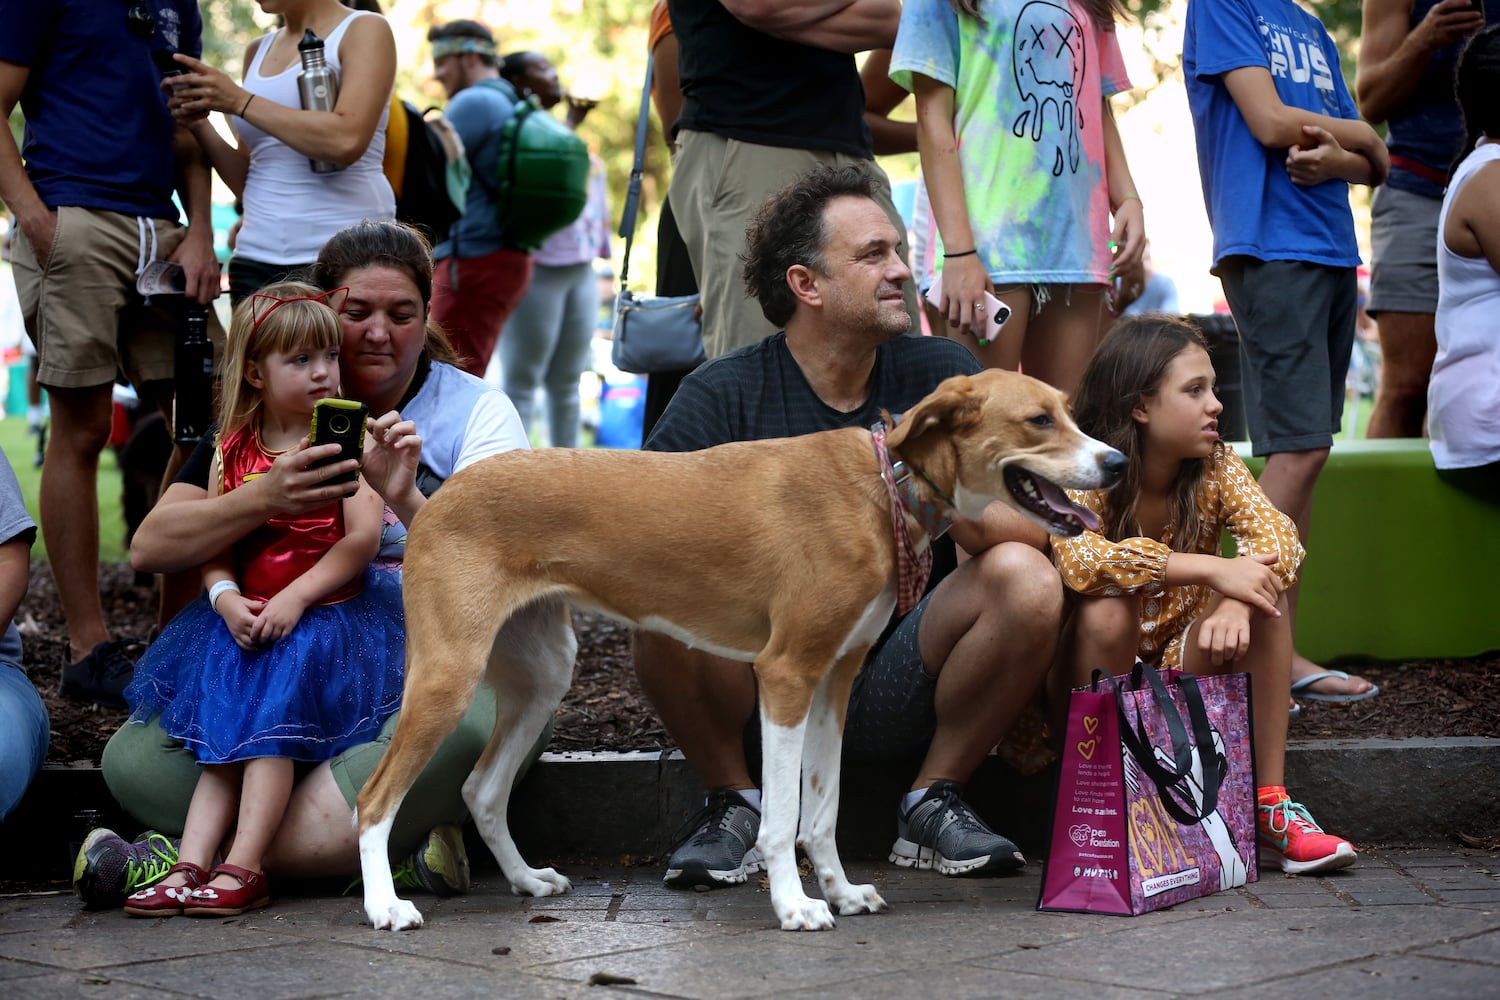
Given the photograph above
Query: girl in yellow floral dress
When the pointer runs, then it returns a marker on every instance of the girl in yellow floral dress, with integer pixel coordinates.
(1150, 582)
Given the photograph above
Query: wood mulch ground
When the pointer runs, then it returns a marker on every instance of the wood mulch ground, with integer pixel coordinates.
(605, 709)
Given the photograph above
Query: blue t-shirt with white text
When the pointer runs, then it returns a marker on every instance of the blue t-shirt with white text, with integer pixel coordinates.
(1253, 206)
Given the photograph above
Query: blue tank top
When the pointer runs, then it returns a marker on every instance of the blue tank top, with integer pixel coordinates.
(1429, 128)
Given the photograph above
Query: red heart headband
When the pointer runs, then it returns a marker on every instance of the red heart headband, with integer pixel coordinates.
(260, 310)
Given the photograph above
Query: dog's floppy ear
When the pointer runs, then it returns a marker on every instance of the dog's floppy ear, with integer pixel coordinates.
(954, 403)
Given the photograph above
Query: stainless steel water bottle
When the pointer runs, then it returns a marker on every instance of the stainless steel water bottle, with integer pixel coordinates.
(317, 87)
(193, 378)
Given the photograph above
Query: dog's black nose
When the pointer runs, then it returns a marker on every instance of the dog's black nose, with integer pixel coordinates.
(1112, 464)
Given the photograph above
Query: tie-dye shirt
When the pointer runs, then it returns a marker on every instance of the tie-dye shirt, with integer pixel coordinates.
(1028, 84)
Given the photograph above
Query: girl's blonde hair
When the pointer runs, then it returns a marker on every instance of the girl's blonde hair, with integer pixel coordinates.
(1125, 371)
(282, 317)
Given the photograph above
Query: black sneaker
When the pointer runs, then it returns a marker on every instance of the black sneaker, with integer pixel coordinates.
(109, 868)
(721, 850)
(942, 832)
(101, 676)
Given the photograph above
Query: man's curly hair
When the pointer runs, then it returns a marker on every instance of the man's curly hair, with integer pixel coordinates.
(788, 230)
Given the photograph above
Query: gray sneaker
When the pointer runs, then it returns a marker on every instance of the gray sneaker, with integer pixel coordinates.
(721, 850)
(942, 832)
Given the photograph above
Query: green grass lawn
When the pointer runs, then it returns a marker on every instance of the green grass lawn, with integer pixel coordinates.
(19, 446)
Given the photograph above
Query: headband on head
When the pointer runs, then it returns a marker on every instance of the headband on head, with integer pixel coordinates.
(442, 48)
(262, 305)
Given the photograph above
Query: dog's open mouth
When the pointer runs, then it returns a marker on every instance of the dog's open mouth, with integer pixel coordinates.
(1046, 500)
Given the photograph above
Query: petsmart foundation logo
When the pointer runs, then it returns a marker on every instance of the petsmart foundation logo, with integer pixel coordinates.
(1162, 883)
(1084, 835)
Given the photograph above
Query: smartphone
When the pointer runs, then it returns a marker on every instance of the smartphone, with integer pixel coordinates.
(340, 422)
(165, 64)
(996, 313)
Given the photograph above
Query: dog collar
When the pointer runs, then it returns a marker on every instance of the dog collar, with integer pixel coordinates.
(936, 517)
(912, 567)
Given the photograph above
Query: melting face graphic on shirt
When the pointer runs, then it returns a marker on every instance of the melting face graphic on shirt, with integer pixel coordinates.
(1049, 62)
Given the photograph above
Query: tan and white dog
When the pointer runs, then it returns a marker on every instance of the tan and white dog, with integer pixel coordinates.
(778, 552)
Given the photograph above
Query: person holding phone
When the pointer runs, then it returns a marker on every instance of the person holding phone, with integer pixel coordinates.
(1031, 195)
(294, 652)
(396, 362)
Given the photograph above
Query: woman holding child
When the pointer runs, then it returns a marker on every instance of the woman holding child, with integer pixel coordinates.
(394, 362)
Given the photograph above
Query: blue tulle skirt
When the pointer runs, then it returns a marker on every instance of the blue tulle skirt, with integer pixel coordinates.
(327, 686)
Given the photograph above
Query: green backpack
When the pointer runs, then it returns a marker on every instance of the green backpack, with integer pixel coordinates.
(542, 175)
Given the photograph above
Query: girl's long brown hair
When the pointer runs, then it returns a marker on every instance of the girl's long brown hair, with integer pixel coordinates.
(1103, 12)
(1126, 370)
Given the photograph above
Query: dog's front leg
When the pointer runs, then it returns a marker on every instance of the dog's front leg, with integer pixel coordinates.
(821, 759)
(782, 753)
(385, 910)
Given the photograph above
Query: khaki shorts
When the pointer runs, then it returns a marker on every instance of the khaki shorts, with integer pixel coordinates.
(81, 307)
(717, 185)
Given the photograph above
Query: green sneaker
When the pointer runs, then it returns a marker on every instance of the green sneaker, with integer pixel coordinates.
(109, 868)
(440, 864)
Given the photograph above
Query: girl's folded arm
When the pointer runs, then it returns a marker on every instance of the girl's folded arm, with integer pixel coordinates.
(1254, 522)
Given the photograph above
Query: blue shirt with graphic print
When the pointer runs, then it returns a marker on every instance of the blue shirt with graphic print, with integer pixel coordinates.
(1253, 206)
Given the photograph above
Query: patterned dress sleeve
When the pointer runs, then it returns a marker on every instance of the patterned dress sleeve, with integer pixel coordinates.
(1255, 524)
(1093, 565)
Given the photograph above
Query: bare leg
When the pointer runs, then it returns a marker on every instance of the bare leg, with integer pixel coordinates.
(705, 702)
(1288, 479)
(1408, 344)
(266, 788)
(209, 818)
(1269, 663)
(991, 652)
(69, 504)
(316, 836)
(1064, 334)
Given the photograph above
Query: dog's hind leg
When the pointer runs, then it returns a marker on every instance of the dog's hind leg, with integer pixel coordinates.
(786, 692)
(530, 668)
(821, 759)
(418, 732)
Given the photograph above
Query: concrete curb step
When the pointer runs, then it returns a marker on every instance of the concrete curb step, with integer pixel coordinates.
(604, 805)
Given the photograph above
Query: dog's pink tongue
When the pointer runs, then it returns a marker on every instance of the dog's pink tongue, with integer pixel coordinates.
(1058, 501)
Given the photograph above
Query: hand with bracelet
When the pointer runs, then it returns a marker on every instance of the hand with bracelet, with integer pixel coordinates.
(965, 281)
(239, 612)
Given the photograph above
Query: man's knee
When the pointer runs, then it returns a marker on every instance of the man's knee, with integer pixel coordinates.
(1023, 581)
(81, 420)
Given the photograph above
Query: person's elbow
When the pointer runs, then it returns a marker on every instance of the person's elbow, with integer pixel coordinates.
(347, 149)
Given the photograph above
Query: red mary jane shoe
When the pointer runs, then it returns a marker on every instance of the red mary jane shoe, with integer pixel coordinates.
(207, 901)
(166, 900)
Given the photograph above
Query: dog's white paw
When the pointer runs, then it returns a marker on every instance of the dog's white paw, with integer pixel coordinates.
(398, 915)
(540, 882)
(857, 899)
(805, 914)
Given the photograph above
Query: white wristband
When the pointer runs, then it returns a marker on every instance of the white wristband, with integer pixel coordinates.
(218, 589)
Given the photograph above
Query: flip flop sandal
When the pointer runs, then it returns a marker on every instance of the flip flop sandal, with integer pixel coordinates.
(1303, 689)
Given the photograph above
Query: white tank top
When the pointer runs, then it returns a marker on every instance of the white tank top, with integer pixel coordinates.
(290, 212)
(1463, 395)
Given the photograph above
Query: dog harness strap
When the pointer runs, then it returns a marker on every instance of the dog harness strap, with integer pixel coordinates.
(912, 568)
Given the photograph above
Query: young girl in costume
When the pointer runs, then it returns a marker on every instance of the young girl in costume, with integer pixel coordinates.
(1150, 581)
(1024, 166)
(294, 652)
